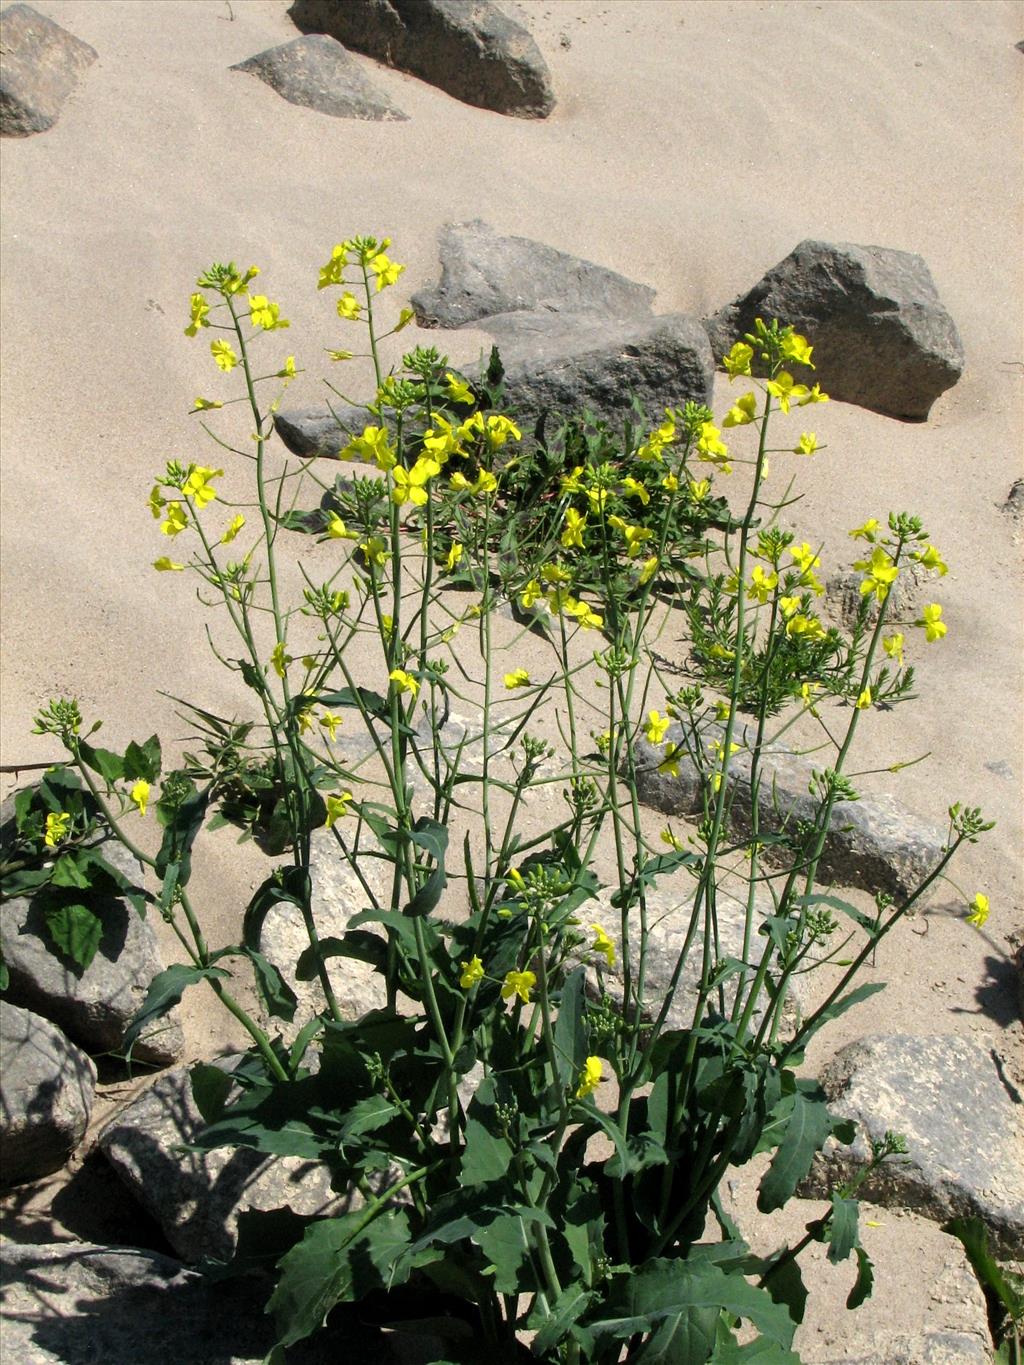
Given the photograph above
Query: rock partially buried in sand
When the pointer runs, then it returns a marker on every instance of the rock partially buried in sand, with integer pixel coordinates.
(468, 48)
(882, 339)
(40, 68)
(946, 1096)
(317, 73)
(46, 1092)
(484, 273)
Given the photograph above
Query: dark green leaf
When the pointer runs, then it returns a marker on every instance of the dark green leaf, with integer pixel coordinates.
(865, 1281)
(785, 1283)
(429, 894)
(370, 702)
(278, 997)
(429, 835)
(973, 1235)
(142, 761)
(66, 872)
(570, 1030)
(728, 1351)
(289, 884)
(842, 1228)
(833, 1011)
(505, 1244)
(360, 945)
(165, 990)
(110, 766)
(808, 1127)
(75, 929)
(555, 1321)
(211, 1086)
(487, 1156)
(183, 823)
(866, 922)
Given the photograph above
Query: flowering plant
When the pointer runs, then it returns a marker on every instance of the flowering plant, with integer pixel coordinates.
(527, 1126)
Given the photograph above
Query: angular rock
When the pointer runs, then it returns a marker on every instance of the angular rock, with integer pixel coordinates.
(46, 1093)
(844, 597)
(321, 431)
(563, 363)
(196, 1197)
(1013, 508)
(40, 68)
(468, 48)
(882, 339)
(95, 1007)
(316, 72)
(902, 1348)
(76, 1303)
(873, 843)
(483, 274)
(964, 1131)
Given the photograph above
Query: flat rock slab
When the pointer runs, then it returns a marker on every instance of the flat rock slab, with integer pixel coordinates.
(196, 1197)
(96, 1006)
(874, 843)
(40, 68)
(965, 1132)
(317, 73)
(484, 273)
(882, 338)
(47, 1087)
(468, 48)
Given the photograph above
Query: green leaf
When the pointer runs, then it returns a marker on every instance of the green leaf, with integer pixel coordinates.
(973, 1235)
(110, 766)
(211, 1086)
(842, 1228)
(429, 835)
(865, 922)
(429, 894)
(728, 1351)
(66, 872)
(75, 929)
(487, 1156)
(506, 1245)
(865, 1281)
(360, 945)
(183, 823)
(833, 1011)
(555, 1321)
(278, 997)
(142, 761)
(338, 1260)
(785, 1283)
(165, 990)
(289, 884)
(808, 1127)
(570, 1030)
(370, 702)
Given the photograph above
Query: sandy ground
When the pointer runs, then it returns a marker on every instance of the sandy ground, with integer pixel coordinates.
(693, 145)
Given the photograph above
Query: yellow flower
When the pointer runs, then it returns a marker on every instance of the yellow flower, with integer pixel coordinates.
(337, 530)
(670, 483)
(762, 584)
(517, 678)
(807, 627)
(223, 355)
(737, 362)
(744, 410)
(670, 762)
(287, 371)
(590, 1078)
(157, 502)
(575, 525)
(864, 700)
(57, 825)
(795, 348)
(177, 519)
(667, 837)
(709, 444)
(348, 307)
(305, 719)
(652, 448)
(657, 725)
(633, 488)
(807, 691)
(199, 486)
(404, 318)
(893, 646)
(788, 605)
(934, 628)
(236, 525)
(337, 807)
(979, 910)
(603, 944)
(931, 559)
(140, 795)
(472, 972)
(165, 564)
(867, 531)
(205, 404)
(199, 309)
(804, 557)
(330, 722)
(531, 594)
(459, 392)
(585, 616)
(264, 314)
(634, 536)
(280, 659)
(785, 389)
(331, 272)
(499, 430)
(373, 445)
(814, 395)
(386, 270)
(374, 551)
(881, 573)
(519, 984)
(571, 482)
(699, 489)
(647, 569)
(410, 483)
(455, 553)
(405, 682)
(807, 444)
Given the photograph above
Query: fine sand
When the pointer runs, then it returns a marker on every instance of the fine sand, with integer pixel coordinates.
(694, 143)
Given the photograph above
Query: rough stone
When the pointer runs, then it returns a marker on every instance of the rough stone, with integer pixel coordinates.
(41, 66)
(843, 595)
(316, 72)
(902, 1348)
(873, 843)
(95, 1007)
(483, 274)
(321, 432)
(882, 339)
(1013, 508)
(468, 48)
(46, 1093)
(196, 1197)
(940, 1092)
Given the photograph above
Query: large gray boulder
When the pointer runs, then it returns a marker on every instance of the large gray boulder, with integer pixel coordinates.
(196, 1197)
(881, 336)
(484, 273)
(316, 72)
(964, 1130)
(95, 1006)
(874, 843)
(468, 48)
(40, 68)
(46, 1093)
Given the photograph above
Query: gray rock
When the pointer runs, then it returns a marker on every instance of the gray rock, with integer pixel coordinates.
(873, 843)
(1013, 507)
(41, 66)
(46, 1092)
(96, 1007)
(964, 1131)
(76, 1303)
(564, 363)
(468, 48)
(483, 274)
(843, 595)
(321, 431)
(317, 73)
(902, 1348)
(882, 339)
(196, 1197)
